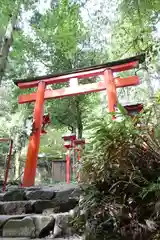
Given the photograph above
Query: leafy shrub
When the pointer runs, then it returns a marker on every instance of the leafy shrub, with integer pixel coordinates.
(120, 171)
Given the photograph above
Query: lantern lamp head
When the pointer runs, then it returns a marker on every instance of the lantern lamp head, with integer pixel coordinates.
(46, 120)
(68, 140)
(134, 110)
(79, 143)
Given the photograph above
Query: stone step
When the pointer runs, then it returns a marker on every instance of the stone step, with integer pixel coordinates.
(35, 226)
(30, 226)
(38, 212)
(37, 206)
(58, 191)
(61, 198)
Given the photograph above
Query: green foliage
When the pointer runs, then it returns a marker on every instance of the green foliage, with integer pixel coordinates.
(144, 8)
(59, 38)
(52, 143)
(58, 35)
(56, 43)
(157, 96)
(152, 188)
(135, 29)
(120, 170)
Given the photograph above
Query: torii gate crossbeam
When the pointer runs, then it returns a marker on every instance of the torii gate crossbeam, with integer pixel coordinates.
(109, 84)
(82, 89)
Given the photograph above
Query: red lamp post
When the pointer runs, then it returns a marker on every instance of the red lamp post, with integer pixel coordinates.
(68, 144)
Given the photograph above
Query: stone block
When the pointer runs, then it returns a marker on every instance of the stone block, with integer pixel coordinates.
(48, 211)
(43, 225)
(12, 187)
(42, 194)
(5, 218)
(62, 227)
(14, 195)
(15, 207)
(19, 228)
(64, 206)
(2, 196)
(66, 191)
(40, 205)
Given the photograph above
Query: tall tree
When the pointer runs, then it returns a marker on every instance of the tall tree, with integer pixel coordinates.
(10, 14)
(61, 43)
(134, 32)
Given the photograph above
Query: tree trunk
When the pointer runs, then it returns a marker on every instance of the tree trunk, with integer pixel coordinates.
(19, 144)
(6, 43)
(17, 166)
(79, 120)
(147, 77)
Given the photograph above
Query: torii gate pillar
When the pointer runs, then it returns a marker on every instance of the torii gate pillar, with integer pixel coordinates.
(110, 90)
(34, 141)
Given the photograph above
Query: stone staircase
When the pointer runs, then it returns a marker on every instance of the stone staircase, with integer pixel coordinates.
(38, 212)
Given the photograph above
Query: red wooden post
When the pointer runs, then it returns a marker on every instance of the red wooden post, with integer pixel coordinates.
(34, 142)
(68, 166)
(110, 89)
(79, 155)
(68, 144)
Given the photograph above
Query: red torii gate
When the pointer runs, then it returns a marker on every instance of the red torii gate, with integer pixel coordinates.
(109, 84)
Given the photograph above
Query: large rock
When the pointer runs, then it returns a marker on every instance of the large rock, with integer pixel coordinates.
(66, 191)
(60, 206)
(2, 196)
(12, 187)
(66, 197)
(5, 218)
(55, 205)
(62, 227)
(14, 195)
(15, 207)
(40, 205)
(19, 228)
(64, 206)
(43, 225)
(48, 211)
(40, 194)
(58, 191)
(36, 206)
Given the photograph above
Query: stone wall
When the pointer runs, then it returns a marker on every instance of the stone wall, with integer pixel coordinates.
(59, 171)
(47, 173)
(55, 173)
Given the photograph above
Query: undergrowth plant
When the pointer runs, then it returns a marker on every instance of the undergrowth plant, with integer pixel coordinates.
(121, 174)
